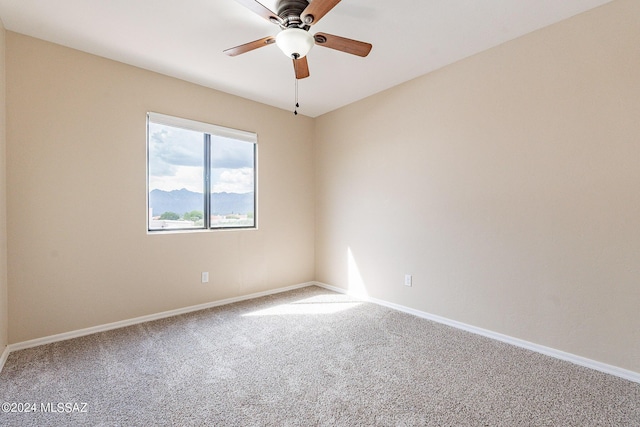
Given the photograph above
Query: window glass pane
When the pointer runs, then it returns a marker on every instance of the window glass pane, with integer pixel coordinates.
(176, 178)
(232, 183)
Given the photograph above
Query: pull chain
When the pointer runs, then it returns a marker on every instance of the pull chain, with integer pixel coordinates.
(295, 112)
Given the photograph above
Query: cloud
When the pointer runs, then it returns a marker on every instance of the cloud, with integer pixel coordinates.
(176, 158)
(231, 154)
(232, 180)
(188, 177)
(170, 147)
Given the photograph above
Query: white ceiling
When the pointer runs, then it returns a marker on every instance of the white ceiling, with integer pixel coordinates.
(185, 39)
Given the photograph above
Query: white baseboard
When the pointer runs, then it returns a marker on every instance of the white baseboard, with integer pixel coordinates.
(558, 354)
(123, 323)
(4, 356)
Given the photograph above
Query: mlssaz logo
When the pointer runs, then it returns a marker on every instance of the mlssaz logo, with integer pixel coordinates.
(66, 408)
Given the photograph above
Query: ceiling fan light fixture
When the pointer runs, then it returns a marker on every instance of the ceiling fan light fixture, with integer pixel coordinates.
(294, 42)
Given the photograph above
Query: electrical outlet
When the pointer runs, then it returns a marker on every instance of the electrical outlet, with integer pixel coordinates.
(408, 280)
(205, 277)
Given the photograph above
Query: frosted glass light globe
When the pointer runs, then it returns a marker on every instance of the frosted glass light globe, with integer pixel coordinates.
(294, 42)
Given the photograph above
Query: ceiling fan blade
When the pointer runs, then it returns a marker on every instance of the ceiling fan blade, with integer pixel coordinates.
(342, 44)
(261, 10)
(301, 66)
(316, 10)
(243, 48)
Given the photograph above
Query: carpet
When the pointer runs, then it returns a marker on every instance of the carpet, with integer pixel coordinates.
(308, 357)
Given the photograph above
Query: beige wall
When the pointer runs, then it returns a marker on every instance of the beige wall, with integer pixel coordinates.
(508, 184)
(4, 309)
(79, 254)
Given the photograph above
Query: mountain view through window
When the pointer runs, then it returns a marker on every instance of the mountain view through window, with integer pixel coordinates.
(199, 179)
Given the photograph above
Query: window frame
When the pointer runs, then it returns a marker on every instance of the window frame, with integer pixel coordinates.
(208, 130)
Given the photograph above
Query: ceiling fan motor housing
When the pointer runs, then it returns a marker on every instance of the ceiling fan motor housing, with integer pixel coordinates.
(290, 10)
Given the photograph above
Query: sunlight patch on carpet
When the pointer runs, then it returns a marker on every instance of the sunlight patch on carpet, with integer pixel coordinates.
(308, 306)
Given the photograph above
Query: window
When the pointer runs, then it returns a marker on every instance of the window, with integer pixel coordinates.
(199, 176)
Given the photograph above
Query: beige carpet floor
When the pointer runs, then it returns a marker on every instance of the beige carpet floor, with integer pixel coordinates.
(308, 357)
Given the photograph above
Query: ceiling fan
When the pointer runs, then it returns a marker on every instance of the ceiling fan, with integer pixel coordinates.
(295, 17)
